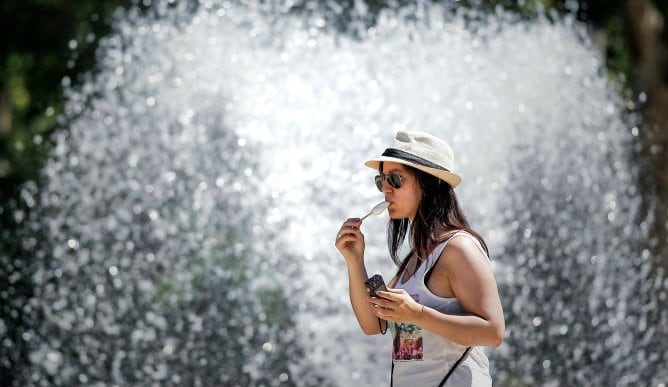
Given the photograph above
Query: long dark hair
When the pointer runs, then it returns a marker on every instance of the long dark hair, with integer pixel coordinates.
(438, 217)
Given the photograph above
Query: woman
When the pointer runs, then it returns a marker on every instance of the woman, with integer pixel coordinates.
(443, 304)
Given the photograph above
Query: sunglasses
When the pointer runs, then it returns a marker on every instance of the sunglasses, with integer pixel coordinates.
(393, 179)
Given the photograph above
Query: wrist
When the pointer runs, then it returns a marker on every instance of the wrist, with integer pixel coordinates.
(420, 314)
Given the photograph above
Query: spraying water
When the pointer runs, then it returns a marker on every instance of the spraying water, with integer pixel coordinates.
(185, 224)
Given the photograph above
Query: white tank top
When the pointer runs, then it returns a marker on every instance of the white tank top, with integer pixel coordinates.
(422, 358)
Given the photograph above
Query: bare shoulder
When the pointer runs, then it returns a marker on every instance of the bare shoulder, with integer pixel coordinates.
(463, 249)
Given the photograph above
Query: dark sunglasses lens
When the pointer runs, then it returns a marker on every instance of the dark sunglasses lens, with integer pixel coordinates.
(379, 182)
(394, 180)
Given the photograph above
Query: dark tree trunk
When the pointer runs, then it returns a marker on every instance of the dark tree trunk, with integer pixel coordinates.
(645, 28)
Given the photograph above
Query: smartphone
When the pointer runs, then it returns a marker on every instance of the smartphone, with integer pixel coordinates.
(375, 283)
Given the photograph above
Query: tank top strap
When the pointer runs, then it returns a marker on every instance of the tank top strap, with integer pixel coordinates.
(471, 237)
(433, 257)
(436, 253)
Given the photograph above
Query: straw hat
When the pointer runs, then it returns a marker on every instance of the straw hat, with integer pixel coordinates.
(422, 151)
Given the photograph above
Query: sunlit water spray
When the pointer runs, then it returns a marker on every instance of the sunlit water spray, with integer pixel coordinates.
(185, 225)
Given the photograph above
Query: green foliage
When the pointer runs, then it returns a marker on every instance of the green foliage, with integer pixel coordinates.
(45, 42)
(17, 83)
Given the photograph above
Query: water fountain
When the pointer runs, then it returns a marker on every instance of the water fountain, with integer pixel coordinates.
(183, 231)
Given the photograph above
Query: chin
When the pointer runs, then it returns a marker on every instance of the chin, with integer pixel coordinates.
(394, 215)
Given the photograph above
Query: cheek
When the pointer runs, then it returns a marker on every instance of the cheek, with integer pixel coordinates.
(416, 205)
(416, 197)
(410, 200)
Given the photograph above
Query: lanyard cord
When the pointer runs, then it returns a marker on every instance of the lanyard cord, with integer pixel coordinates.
(445, 378)
(454, 366)
(380, 326)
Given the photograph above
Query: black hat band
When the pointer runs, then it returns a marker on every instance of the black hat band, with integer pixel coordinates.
(391, 152)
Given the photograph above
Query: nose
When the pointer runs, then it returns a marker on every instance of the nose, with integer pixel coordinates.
(386, 187)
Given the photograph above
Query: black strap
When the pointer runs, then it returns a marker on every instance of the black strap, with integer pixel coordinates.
(445, 378)
(392, 374)
(380, 326)
(399, 154)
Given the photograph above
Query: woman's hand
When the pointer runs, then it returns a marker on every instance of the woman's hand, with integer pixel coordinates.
(395, 305)
(350, 241)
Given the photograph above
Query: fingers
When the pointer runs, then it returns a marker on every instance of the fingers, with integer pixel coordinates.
(345, 236)
(391, 305)
(351, 224)
(376, 304)
(349, 228)
(391, 294)
(383, 312)
(379, 302)
(376, 301)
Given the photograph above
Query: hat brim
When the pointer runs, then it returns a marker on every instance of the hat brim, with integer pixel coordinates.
(448, 177)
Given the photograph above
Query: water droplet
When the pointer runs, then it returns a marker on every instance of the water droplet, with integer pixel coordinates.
(73, 244)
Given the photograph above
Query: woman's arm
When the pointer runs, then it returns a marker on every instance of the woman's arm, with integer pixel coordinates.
(462, 271)
(363, 309)
(350, 243)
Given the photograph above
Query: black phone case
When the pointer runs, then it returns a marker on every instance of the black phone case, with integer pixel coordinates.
(375, 283)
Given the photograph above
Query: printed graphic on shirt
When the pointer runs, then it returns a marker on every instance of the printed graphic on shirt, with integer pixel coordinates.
(407, 343)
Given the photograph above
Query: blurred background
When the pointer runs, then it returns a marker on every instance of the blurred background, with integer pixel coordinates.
(51, 53)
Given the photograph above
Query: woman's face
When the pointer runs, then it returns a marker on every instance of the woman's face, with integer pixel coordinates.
(404, 201)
